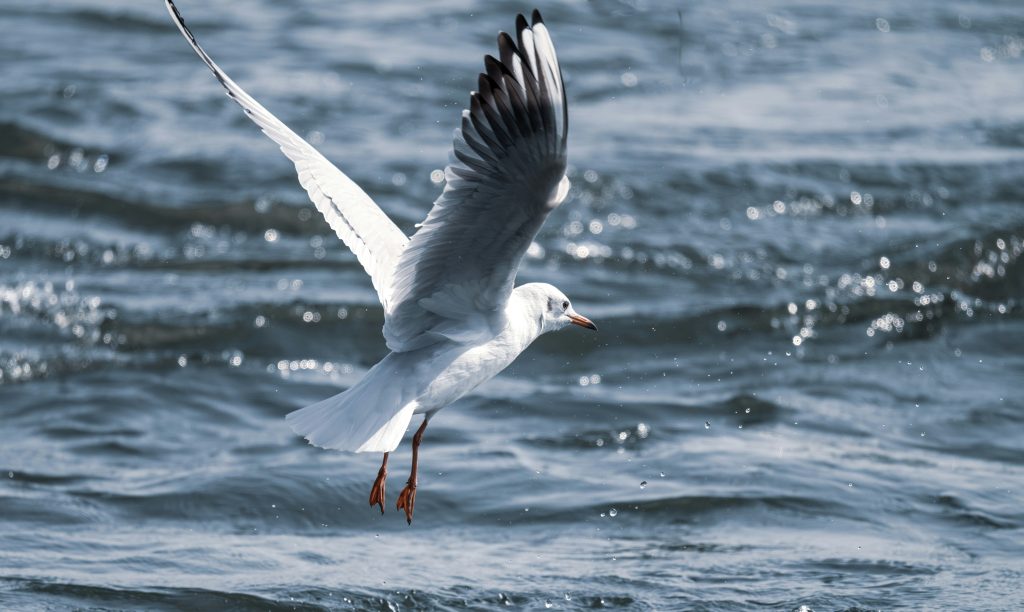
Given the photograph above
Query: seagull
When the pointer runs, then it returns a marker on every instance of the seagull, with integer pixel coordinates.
(453, 317)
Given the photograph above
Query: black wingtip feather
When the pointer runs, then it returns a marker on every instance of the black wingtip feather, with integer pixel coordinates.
(483, 85)
(493, 66)
(507, 48)
(505, 42)
(491, 82)
(521, 23)
(536, 17)
(177, 17)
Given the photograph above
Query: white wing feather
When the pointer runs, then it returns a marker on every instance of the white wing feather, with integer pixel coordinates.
(506, 174)
(374, 239)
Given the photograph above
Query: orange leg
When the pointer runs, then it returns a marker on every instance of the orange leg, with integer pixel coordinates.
(407, 498)
(377, 492)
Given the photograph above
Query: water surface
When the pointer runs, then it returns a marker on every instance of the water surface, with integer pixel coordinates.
(799, 227)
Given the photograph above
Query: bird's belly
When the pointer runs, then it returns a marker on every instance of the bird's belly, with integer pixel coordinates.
(462, 371)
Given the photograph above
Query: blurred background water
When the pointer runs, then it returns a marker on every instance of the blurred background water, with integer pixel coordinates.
(799, 226)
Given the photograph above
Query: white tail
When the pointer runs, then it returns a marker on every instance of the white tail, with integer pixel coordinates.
(372, 416)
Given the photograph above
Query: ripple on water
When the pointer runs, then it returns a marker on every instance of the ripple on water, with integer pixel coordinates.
(799, 232)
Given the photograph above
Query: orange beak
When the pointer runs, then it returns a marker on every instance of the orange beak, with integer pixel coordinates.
(582, 321)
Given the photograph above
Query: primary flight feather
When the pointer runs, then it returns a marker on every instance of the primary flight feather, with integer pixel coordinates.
(452, 316)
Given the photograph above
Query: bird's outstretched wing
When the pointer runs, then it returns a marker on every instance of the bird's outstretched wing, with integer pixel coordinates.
(506, 172)
(359, 222)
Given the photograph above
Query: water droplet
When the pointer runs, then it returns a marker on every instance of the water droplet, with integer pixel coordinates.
(315, 137)
(613, 513)
(548, 604)
(643, 484)
(707, 424)
(10, 474)
(849, 484)
(747, 411)
(661, 474)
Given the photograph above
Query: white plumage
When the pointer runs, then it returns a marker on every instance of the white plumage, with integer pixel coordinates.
(451, 316)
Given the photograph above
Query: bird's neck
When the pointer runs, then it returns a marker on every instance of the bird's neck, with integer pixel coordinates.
(525, 319)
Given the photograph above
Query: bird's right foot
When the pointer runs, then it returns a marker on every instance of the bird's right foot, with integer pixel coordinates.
(407, 500)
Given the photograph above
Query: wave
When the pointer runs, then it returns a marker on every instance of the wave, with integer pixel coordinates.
(31, 593)
(79, 202)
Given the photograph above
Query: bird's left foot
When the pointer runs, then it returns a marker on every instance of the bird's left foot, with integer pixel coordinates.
(407, 500)
(377, 492)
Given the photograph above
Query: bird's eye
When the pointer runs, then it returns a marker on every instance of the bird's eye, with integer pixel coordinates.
(565, 305)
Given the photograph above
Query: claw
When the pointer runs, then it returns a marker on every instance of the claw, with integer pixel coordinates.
(407, 500)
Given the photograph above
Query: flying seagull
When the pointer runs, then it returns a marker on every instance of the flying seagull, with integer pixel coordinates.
(452, 316)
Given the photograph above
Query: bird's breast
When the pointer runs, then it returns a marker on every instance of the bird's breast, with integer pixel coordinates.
(463, 368)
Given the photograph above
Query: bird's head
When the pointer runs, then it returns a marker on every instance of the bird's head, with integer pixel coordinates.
(552, 307)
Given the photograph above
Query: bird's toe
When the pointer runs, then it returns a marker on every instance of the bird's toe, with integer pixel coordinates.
(407, 501)
(378, 490)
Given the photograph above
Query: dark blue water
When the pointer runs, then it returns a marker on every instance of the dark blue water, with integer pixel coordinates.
(799, 227)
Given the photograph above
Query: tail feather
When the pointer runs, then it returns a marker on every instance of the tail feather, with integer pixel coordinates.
(372, 416)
